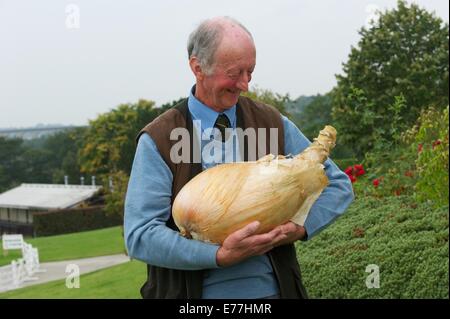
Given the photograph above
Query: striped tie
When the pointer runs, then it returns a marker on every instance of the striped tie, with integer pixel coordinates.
(221, 124)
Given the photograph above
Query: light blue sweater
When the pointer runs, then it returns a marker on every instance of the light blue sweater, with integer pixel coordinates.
(148, 207)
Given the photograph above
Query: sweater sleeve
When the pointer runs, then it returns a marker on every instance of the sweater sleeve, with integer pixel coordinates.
(335, 198)
(147, 209)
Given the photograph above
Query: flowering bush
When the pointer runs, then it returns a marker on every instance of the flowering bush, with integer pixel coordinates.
(415, 163)
(354, 171)
(431, 137)
(391, 171)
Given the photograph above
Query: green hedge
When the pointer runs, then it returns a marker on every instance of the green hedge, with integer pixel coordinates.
(408, 241)
(73, 220)
(343, 163)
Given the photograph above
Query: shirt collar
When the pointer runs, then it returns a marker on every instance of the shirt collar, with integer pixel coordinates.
(208, 116)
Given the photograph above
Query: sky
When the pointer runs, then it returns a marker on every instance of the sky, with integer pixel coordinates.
(66, 62)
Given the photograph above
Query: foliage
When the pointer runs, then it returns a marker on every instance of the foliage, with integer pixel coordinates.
(408, 241)
(431, 144)
(110, 143)
(344, 163)
(296, 107)
(115, 196)
(414, 162)
(268, 97)
(390, 162)
(315, 116)
(64, 148)
(73, 220)
(110, 140)
(405, 53)
(11, 162)
(41, 160)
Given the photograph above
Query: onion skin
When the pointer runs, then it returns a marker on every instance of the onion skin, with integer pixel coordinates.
(272, 190)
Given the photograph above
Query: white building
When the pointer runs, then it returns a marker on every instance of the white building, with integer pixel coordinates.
(18, 205)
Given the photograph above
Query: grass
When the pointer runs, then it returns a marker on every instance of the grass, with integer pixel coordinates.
(101, 242)
(408, 241)
(117, 282)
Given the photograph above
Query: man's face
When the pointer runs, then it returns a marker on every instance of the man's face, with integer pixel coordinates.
(231, 73)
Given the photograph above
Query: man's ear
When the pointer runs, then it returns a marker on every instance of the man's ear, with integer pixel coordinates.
(196, 68)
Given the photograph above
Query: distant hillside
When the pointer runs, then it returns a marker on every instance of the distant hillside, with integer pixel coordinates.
(297, 106)
(38, 131)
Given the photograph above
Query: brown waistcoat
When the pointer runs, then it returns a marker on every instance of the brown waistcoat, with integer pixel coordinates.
(172, 283)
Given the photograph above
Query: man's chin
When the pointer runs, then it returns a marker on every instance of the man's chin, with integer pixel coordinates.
(232, 100)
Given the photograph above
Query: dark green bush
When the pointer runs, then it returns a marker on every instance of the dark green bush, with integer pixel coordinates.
(408, 241)
(414, 162)
(343, 163)
(73, 220)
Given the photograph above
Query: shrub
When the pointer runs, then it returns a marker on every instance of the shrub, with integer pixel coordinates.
(73, 220)
(390, 165)
(431, 143)
(406, 240)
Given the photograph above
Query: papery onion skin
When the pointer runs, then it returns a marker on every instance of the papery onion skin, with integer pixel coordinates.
(272, 190)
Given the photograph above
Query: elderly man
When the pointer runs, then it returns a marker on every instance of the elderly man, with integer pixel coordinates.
(222, 57)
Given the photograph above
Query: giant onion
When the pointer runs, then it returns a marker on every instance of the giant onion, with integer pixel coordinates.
(272, 190)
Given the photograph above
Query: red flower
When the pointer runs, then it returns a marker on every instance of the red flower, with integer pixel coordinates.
(360, 172)
(409, 174)
(376, 182)
(349, 171)
(419, 148)
(352, 178)
(436, 143)
(358, 167)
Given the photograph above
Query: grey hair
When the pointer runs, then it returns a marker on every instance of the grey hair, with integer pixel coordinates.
(205, 39)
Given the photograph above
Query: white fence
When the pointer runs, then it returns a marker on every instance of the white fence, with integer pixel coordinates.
(20, 270)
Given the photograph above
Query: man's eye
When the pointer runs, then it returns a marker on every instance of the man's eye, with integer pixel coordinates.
(233, 75)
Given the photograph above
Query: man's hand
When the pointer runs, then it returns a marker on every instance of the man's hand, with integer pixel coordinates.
(292, 231)
(243, 243)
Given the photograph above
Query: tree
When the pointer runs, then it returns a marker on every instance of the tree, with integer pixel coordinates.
(110, 140)
(12, 163)
(64, 147)
(110, 144)
(315, 116)
(404, 53)
(268, 97)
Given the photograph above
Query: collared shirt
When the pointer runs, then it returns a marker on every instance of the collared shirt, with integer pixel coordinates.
(206, 115)
(148, 207)
(213, 150)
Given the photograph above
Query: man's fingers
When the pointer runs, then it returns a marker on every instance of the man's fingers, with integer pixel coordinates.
(267, 238)
(246, 231)
(279, 240)
(264, 248)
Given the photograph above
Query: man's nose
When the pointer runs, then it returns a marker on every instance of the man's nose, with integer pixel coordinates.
(242, 84)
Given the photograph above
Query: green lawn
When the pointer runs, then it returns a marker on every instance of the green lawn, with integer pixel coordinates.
(408, 241)
(101, 242)
(117, 282)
